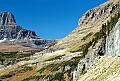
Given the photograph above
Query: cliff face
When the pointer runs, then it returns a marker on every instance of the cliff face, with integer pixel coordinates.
(11, 33)
(6, 18)
(91, 21)
(113, 41)
(110, 61)
(10, 30)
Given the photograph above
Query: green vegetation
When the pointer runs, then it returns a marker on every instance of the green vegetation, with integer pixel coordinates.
(27, 68)
(24, 55)
(55, 58)
(106, 28)
(57, 77)
(6, 76)
(55, 67)
(17, 71)
(78, 47)
(104, 31)
(57, 70)
(84, 71)
(12, 56)
(8, 55)
(36, 78)
(51, 67)
(85, 48)
(87, 36)
(112, 22)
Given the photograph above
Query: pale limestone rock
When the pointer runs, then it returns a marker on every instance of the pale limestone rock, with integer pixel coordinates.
(113, 41)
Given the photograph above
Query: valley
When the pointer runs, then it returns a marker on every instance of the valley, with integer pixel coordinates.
(89, 53)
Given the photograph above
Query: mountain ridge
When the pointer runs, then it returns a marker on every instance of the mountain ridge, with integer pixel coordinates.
(91, 21)
(80, 56)
(11, 33)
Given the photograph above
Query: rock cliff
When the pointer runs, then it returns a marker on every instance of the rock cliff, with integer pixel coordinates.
(98, 61)
(113, 41)
(7, 18)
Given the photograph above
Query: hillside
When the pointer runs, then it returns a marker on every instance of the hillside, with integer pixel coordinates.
(88, 53)
(107, 68)
(91, 21)
(88, 65)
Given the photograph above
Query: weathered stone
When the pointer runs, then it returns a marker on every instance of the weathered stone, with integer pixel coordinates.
(106, 68)
(113, 41)
(7, 18)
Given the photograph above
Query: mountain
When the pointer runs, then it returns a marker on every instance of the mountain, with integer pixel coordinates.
(11, 33)
(91, 52)
(91, 21)
(106, 67)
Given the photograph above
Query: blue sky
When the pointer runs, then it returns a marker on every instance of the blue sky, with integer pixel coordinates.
(50, 19)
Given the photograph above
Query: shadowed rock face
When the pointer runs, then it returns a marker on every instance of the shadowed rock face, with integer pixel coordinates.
(11, 33)
(10, 30)
(7, 18)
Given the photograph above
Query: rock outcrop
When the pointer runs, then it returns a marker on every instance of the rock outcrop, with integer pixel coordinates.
(107, 68)
(6, 18)
(113, 41)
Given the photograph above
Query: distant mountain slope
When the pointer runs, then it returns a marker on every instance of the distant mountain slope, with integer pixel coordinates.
(91, 21)
(11, 33)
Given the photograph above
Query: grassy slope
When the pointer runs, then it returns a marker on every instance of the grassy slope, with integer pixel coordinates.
(106, 68)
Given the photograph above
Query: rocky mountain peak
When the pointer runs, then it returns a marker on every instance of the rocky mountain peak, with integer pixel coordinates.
(11, 33)
(7, 18)
(103, 11)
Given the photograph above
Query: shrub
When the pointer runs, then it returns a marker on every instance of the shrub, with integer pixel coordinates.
(5, 76)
